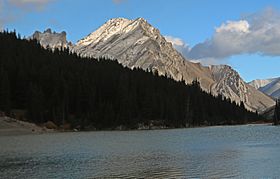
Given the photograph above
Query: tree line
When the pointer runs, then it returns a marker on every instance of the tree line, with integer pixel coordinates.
(61, 86)
(276, 116)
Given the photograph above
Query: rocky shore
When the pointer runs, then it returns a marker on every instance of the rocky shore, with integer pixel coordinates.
(10, 126)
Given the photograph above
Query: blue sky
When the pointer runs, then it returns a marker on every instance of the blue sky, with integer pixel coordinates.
(192, 21)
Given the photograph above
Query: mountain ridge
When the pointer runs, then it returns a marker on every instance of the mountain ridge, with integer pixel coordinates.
(258, 83)
(137, 44)
(269, 86)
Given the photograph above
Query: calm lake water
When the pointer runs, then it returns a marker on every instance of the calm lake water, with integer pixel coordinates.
(250, 151)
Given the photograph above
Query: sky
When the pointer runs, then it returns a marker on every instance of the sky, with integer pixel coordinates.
(243, 34)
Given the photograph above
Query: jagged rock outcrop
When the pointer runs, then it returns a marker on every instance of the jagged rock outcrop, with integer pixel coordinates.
(53, 40)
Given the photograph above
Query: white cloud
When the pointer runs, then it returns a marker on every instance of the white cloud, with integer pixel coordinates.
(210, 61)
(174, 40)
(234, 26)
(256, 33)
(184, 49)
(178, 44)
(30, 4)
(12, 10)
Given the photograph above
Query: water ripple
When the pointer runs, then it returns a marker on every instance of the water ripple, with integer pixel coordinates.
(214, 152)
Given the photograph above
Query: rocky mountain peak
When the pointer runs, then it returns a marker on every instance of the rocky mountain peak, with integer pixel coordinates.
(136, 43)
(51, 39)
(229, 83)
(119, 26)
(49, 31)
(111, 27)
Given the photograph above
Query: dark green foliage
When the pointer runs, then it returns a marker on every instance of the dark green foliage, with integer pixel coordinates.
(62, 87)
(5, 102)
(276, 116)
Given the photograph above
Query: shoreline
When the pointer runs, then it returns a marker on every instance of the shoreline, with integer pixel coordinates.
(13, 127)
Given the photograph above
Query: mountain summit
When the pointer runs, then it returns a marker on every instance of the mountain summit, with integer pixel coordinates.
(137, 44)
(49, 39)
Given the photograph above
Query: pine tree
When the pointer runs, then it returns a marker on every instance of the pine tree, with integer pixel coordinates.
(5, 102)
(276, 113)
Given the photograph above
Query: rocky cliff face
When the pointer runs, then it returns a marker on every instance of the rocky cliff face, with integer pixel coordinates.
(137, 44)
(229, 84)
(49, 39)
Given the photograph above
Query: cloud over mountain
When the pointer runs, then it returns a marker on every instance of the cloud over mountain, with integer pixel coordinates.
(178, 44)
(256, 33)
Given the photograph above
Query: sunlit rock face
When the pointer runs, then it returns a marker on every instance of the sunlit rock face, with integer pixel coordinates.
(49, 39)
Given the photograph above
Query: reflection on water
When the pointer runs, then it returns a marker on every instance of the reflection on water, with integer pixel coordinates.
(250, 151)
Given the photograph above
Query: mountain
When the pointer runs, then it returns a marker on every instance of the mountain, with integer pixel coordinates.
(137, 44)
(260, 83)
(49, 39)
(229, 84)
(270, 87)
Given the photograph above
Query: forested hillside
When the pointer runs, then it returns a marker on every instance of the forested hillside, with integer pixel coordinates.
(62, 87)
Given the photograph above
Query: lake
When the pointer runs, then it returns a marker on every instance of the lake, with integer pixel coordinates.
(248, 151)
